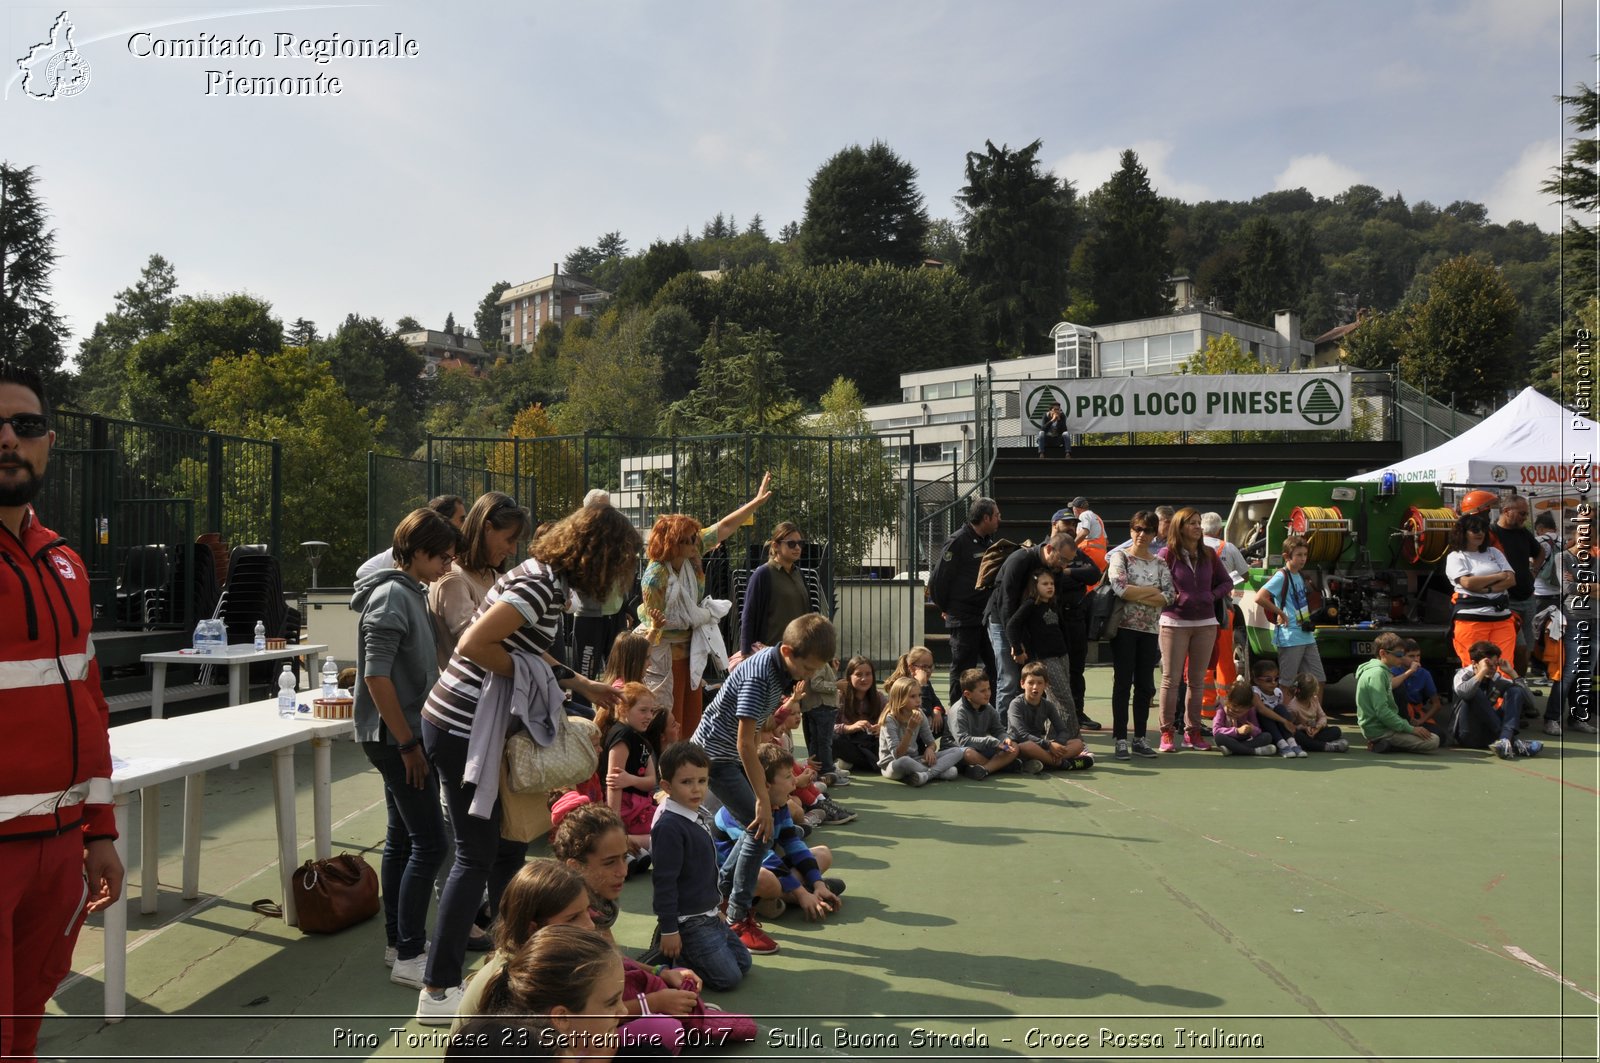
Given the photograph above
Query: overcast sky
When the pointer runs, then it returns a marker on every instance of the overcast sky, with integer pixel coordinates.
(521, 130)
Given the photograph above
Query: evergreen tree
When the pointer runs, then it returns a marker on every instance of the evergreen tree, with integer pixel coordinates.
(1127, 263)
(30, 330)
(407, 323)
(1018, 223)
(756, 228)
(303, 333)
(611, 245)
(659, 264)
(582, 261)
(487, 319)
(742, 389)
(789, 233)
(142, 310)
(863, 206)
(450, 324)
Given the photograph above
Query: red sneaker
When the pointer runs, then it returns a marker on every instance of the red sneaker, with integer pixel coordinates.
(1169, 742)
(1194, 738)
(755, 939)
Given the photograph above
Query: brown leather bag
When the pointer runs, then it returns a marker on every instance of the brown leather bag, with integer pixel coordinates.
(330, 895)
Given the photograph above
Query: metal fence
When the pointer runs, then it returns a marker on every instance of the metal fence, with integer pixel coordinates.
(1421, 422)
(131, 498)
(846, 493)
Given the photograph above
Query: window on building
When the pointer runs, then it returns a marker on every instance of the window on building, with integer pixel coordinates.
(1074, 352)
(948, 389)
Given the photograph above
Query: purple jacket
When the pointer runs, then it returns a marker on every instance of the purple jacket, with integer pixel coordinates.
(1198, 591)
(1223, 724)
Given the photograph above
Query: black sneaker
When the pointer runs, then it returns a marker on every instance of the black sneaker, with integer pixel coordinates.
(1140, 748)
(976, 772)
(1087, 724)
(835, 884)
(835, 814)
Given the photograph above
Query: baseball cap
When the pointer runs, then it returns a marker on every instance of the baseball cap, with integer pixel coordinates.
(1064, 514)
(1079, 503)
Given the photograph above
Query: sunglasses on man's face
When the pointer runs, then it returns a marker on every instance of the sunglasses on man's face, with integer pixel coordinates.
(26, 425)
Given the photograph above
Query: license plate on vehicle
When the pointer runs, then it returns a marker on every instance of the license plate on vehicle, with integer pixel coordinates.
(1361, 649)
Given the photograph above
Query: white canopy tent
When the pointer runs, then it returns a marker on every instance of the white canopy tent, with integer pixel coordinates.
(1531, 444)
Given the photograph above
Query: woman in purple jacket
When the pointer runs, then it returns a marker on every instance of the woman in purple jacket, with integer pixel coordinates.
(1189, 626)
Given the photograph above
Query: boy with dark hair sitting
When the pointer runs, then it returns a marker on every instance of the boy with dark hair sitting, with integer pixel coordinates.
(977, 728)
(1415, 690)
(1489, 706)
(798, 868)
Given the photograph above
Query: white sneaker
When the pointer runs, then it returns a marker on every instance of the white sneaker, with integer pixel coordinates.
(1551, 727)
(439, 1011)
(390, 954)
(950, 773)
(840, 776)
(409, 972)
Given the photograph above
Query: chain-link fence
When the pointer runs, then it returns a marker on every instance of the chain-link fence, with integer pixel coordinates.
(132, 497)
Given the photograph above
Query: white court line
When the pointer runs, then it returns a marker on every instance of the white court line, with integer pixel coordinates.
(1528, 960)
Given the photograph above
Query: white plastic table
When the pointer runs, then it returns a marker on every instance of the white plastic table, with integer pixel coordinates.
(151, 752)
(237, 656)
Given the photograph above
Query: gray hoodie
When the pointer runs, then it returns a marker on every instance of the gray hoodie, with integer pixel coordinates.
(396, 641)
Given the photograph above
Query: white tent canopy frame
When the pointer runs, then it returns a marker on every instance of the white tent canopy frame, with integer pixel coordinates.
(1531, 444)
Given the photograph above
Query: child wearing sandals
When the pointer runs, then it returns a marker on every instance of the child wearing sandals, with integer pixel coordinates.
(1312, 729)
(1270, 710)
(906, 747)
(592, 842)
(1042, 732)
(1237, 729)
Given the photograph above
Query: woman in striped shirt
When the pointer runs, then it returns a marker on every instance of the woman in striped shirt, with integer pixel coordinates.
(587, 552)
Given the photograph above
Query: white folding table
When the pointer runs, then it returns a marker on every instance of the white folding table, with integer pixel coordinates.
(151, 752)
(238, 657)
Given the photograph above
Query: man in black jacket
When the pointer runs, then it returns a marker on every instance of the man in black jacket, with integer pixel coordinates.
(1072, 599)
(953, 588)
(1057, 554)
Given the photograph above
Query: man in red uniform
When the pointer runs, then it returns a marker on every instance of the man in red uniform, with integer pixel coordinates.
(57, 826)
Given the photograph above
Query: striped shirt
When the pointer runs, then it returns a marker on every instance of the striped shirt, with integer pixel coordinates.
(754, 690)
(536, 591)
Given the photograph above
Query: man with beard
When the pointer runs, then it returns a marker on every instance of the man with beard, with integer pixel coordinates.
(57, 823)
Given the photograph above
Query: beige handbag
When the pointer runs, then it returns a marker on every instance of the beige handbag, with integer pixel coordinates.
(567, 761)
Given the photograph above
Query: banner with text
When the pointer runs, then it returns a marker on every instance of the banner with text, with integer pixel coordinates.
(1303, 402)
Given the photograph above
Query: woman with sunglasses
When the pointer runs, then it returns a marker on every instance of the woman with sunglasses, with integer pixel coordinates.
(777, 592)
(1143, 582)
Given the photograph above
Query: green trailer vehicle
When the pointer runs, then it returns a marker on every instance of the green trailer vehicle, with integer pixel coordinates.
(1376, 564)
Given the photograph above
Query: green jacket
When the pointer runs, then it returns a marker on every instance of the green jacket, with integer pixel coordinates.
(1376, 713)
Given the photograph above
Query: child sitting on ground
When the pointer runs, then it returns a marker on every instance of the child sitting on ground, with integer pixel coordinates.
(1414, 688)
(689, 928)
(1270, 716)
(630, 762)
(1041, 733)
(917, 662)
(976, 728)
(1312, 731)
(855, 735)
(1236, 727)
(906, 747)
(796, 869)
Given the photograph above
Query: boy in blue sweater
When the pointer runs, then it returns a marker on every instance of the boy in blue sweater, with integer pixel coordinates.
(691, 929)
(797, 868)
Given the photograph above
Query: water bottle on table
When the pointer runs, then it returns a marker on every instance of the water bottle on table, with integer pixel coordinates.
(286, 695)
(330, 678)
(261, 636)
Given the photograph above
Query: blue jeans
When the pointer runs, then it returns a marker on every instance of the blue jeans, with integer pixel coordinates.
(1478, 722)
(482, 859)
(818, 724)
(1007, 672)
(742, 868)
(713, 950)
(412, 850)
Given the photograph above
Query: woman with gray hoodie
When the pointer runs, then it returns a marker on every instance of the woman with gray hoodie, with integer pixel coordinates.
(396, 667)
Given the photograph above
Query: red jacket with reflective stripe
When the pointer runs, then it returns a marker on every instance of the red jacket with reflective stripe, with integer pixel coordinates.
(52, 713)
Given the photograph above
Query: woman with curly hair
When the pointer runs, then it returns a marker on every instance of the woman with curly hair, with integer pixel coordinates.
(1482, 579)
(673, 583)
(587, 551)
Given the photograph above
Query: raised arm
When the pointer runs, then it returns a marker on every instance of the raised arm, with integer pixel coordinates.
(729, 524)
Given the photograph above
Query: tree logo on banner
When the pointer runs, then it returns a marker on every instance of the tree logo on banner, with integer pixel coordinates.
(1042, 400)
(65, 73)
(1320, 403)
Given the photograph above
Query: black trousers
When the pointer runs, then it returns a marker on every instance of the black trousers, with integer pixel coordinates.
(969, 648)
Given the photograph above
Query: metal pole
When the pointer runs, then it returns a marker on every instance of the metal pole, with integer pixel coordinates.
(277, 498)
(214, 483)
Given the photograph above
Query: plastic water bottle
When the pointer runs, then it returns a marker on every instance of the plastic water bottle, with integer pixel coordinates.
(202, 637)
(261, 635)
(330, 678)
(210, 637)
(286, 694)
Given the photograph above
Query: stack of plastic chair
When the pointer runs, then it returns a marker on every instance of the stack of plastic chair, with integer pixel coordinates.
(254, 592)
(144, 585)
